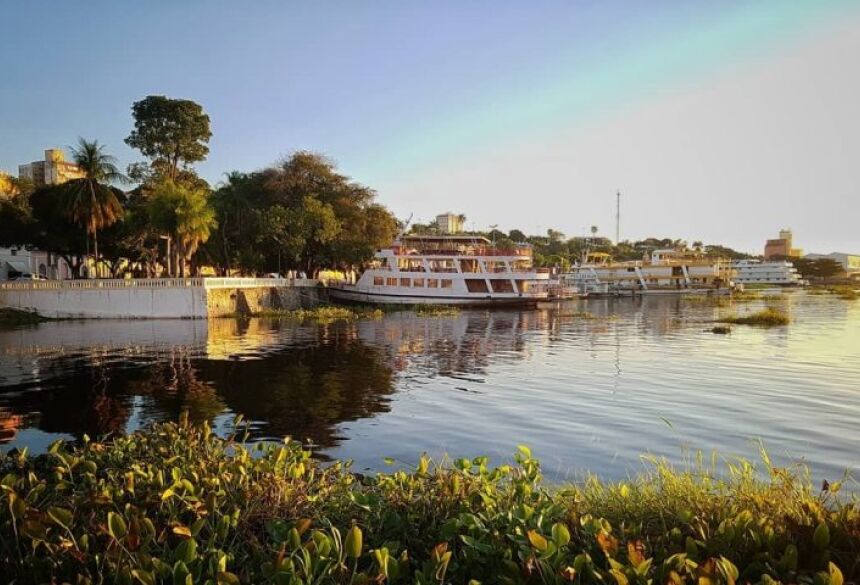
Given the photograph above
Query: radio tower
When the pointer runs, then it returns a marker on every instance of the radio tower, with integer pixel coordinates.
(617, 217)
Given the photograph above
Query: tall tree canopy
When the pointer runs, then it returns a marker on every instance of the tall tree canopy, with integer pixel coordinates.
(301, 212)
(172, 133)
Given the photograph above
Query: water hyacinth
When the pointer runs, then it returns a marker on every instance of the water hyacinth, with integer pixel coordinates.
(177, 504)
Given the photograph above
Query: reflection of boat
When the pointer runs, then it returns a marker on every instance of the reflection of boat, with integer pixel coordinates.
(448, 270)
(664, 272)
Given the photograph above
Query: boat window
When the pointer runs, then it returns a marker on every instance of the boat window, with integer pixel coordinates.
(405, 282)
(470, 265)
(443, 265)
(476, 285)
(410, 264)
(391, 281)
(432, 283)
(496, 266)
(418, 282)
(378, 281)
(522, 266)
(447, 283)
(502, 286)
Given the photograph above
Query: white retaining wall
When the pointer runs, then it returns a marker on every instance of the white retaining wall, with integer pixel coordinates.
(185, 298)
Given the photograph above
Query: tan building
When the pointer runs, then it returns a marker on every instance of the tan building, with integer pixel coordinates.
(782, 247)
(54, 170)
(450, 223)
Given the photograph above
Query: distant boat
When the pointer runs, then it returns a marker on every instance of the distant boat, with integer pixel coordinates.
(664, 272)
(779, 273)
(448, 270)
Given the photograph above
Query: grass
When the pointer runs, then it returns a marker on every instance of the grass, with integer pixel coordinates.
(321, 314)
(15, 317)
(847, 292)
(176, 504)
(435, 310)
(769, 317)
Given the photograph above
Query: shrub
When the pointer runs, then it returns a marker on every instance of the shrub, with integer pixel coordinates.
(176, 504)
(769, 317)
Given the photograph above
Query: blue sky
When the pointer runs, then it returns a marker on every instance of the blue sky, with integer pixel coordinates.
(520, 114)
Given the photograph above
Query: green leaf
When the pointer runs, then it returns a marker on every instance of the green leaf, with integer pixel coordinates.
(186, 551)
(353, 542)
(116, 525)
(526, 452)
(560, 534)
(821, 537)
(476, 544)
(60, 516)
(226, 578)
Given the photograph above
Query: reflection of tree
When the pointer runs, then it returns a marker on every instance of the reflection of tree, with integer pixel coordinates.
(305, 392)
(9, 425)
(174, 387)
(79, 401)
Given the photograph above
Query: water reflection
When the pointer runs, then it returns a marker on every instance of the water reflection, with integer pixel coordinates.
(589, 385)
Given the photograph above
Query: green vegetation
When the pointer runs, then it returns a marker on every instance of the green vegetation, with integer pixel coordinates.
(746, 295)
(721, 329)
(847, 292)
(769, 317)
(818, 268)
(322, 314)
(14, 317)
(176, 504)
(300, 214)
(435, 310)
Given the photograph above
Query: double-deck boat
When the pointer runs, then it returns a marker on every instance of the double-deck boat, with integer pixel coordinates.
(664, 272)
(448, 270)
(776, 272)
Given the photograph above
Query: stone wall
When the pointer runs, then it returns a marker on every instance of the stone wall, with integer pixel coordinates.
(223, 302)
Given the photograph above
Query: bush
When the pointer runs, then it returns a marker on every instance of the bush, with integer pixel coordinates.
(176, 504)
(769, 317)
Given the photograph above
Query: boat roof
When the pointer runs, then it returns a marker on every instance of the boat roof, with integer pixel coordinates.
(465, 238)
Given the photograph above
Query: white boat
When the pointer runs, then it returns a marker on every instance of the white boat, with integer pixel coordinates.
(447, 270)
(779, 273)
(664, 272)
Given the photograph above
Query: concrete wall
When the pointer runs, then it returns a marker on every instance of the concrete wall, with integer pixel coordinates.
(193, 298)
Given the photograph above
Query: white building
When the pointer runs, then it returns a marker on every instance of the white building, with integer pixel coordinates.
(780, 273)
(17, 262)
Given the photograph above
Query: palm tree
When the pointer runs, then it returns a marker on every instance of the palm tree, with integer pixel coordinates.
(184, 216)
(90, 201)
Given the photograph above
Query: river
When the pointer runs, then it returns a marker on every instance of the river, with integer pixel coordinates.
(592, 385)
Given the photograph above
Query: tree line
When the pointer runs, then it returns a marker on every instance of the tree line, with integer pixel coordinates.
(299, 214)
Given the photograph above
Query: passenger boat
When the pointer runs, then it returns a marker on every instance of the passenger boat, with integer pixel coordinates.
(663, 272)
(779, 273)
(447, 270)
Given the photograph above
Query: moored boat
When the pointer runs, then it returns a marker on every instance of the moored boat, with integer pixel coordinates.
(461, 270)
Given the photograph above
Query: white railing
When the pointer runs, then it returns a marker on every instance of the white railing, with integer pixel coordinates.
(123, 283)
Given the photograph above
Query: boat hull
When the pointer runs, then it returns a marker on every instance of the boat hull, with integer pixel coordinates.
(354, 296)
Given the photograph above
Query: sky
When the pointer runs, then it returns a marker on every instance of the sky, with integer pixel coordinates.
(717, 121)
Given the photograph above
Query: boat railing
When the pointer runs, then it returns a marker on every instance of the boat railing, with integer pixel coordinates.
(126, 283)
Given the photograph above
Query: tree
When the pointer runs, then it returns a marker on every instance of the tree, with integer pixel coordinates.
(818, 267)
(172, 133)
(90, 201)
(184, 217)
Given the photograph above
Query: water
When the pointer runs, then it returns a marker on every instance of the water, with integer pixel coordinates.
(586, 392)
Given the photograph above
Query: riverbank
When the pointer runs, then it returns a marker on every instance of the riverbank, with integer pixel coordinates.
(17, 318)
(176, 503)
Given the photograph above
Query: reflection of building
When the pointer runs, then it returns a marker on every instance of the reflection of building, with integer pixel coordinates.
(850, 262)
(449, 223)
(782, 247)
(54, 170)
